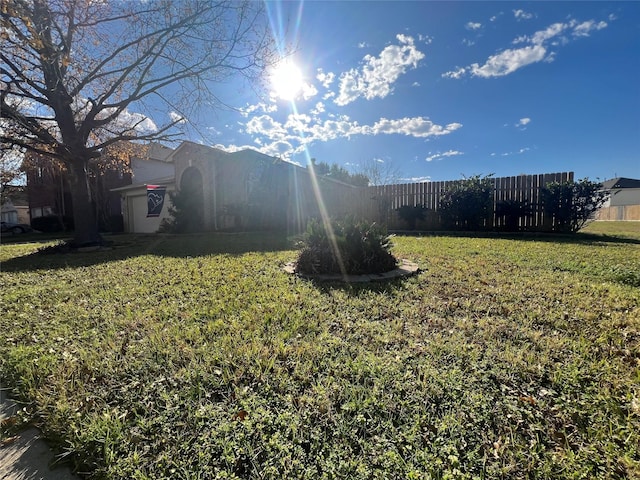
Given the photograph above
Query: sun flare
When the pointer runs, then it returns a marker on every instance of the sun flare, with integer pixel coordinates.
(287, 81)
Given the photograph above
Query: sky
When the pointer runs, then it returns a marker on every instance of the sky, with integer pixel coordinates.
(445, 90)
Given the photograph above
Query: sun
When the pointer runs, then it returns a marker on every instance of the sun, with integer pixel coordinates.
(286, 80)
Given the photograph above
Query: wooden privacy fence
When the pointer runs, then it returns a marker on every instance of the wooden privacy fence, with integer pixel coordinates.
(380, 203)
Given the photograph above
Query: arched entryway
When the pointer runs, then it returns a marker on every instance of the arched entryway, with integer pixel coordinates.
(190, 200)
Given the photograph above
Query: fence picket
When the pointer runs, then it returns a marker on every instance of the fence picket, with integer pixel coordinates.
(379, 203)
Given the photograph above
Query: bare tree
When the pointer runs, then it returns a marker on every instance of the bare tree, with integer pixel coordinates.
(379, 172)
(77, 76)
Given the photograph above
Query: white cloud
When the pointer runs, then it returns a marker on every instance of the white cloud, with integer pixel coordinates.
(176, 117)
(300, 130)
(419, 127)
(319, 108)
(308, 91)
(510, 60)
(425, 38)
(455, 73)
(440, 156)
(136, 121)
(523, 122)
(265, 125)
(326, 79)
(522, 15)
(233, 148)
(551, 31)
(423, 179)
(266, 108)
(377, 75)
(298, 122)
(585, 28)
(582, 29)
(281, 148)
(363, 45)
(473, 26)
(508, 154)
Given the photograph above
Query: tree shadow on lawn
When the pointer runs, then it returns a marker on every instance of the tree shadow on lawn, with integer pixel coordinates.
(125, 246)
(579, 238)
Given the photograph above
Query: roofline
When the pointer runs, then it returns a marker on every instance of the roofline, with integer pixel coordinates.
(158, 181)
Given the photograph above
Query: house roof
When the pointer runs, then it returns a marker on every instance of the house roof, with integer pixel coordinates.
(157, 151)
(157, 181)
(621, 182)
(245, 153)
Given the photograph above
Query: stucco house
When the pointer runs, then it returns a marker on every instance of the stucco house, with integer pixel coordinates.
(624, 200)
(243, 190)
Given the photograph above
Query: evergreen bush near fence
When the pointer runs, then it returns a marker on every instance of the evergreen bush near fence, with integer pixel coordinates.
(411, 214)
(358, 247)
(468, 204)
(510, 212)
(571, 205)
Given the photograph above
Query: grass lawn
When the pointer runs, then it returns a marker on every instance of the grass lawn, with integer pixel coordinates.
(196, 357)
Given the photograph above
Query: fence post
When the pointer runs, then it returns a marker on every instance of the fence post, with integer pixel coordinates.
(380, 202)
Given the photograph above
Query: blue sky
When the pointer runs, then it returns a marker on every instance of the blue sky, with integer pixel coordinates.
(445, 89)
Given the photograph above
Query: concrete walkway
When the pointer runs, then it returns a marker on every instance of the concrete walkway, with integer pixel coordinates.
(26, 456)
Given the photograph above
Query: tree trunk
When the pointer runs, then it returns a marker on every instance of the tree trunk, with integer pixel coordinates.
(84, 218)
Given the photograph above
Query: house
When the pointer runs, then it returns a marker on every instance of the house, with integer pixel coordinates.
(243, 190)
(15, 208)
(624, 200)
(47, 189)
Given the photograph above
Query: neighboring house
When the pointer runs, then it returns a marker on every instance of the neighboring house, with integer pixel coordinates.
(47, 189)
(12, 213)
(624, 200)
(243, 190)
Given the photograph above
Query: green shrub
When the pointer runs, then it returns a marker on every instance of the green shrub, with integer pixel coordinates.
(356, 247)
(186, 211)
(52, 223)
(468, 204)
(510, 212)
(571, 205)
(411, 214)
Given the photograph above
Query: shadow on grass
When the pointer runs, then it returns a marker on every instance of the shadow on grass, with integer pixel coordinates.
(163, 245)
(356, 289)
(580, 238)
